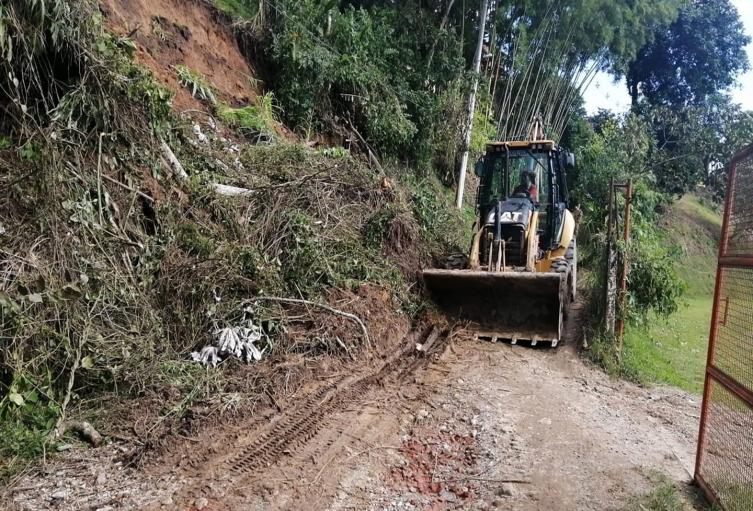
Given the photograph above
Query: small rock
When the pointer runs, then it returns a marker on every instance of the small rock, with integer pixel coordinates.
(200, 503)
(423, 413)
(448, 496)
(61, 494)
(507, 490)
(167, 501)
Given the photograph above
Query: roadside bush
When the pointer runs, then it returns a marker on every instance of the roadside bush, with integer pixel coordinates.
(620, 148)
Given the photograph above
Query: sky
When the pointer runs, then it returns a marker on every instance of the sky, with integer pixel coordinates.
(604, 92)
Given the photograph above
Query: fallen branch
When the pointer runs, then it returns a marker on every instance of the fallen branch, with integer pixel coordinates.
(348, 315)
(112, 180)
(175, 164)
(230, 191)
(180, 173)
(84, 429)
(483, 479)
(430, 340)
(59, 429)
(372, 156)
(343, 346)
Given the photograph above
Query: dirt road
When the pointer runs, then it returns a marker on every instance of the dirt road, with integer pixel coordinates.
(473, 425)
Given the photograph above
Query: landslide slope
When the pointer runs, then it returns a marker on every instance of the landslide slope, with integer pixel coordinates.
(150, 198)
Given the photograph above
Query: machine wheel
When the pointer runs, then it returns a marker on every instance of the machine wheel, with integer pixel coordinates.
(564, 267)
(572, 257)
(455, 262)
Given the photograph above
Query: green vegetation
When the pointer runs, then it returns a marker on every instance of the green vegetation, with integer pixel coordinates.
(242, 9)
(398, 72)
(258, 118)
(116, 303)
(665, 496)
(672, 350)
(196, 83)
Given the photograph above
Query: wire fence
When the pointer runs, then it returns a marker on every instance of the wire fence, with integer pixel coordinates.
(724, 463)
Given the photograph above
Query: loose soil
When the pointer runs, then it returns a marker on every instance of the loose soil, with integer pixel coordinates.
(168, 33)
(468, 425)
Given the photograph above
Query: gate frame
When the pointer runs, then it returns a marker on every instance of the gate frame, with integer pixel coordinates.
(714, 374)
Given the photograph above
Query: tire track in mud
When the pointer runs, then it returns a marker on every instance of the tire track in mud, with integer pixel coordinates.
(291, 433)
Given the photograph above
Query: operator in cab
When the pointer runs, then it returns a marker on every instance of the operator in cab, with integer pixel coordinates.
(527, 186)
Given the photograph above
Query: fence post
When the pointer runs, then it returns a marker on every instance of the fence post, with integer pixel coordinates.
(626, 221)
(611, 266)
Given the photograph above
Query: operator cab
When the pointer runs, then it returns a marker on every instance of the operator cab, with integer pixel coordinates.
(518, 179)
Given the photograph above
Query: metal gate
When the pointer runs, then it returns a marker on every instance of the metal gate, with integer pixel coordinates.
(724, 463)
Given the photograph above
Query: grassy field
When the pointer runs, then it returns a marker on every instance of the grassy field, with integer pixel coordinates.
(673, 350)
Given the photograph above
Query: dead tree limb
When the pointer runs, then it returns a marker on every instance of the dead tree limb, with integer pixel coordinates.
(348, 315)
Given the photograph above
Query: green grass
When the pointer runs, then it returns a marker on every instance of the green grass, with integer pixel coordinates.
(663, 498)
(673, 350)
(259, 118)
(196, 83)
(666, 495)
(244, 9)
(695, 228)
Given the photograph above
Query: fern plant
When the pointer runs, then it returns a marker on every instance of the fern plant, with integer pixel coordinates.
(196, 83)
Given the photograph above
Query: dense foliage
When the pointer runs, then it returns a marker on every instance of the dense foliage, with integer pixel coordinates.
(693, 58)
(679, 83)
(620, 148)
(398, 73)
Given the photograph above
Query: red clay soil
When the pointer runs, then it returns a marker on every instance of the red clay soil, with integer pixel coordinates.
(184, 32)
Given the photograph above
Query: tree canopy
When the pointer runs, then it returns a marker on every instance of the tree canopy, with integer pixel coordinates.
(696, 56)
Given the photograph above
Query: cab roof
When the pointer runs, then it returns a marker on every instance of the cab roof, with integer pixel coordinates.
(521, 144)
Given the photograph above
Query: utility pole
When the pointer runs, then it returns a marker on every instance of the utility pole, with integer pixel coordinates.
(471, 104)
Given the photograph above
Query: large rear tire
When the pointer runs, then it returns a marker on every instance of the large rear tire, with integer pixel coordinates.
(572, 257)
(563, 266)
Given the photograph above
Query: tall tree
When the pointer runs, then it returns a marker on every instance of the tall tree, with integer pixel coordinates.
(696, 56)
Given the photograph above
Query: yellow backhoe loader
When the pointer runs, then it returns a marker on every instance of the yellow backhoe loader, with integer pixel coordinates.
(520, 274)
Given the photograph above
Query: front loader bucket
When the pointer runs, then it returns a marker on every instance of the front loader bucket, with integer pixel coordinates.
(504, 305)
